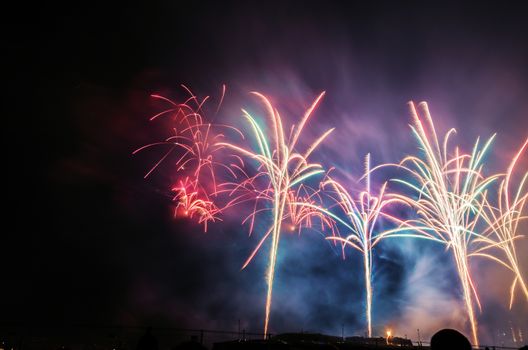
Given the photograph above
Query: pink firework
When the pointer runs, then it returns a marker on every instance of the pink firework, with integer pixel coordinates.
(191, 205)
(195, 144)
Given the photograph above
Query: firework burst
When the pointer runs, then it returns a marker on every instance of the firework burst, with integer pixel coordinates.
(449, 194)
(361, 215)
(503, 221)
(301, 213)
(284, 169)
(194, 142)
(190, 203)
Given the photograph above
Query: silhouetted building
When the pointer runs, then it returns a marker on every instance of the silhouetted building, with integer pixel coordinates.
(314, 341)
(191, 345)
(147, 341)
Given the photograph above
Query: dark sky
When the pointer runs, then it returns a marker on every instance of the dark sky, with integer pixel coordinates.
(88, 240)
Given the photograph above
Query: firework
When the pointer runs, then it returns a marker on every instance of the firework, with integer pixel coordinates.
(361, 217)
(301, 215)
(449, 195)
(195, 143)
(284, 168)
(301, 212)
(503, 221)
(189, 204)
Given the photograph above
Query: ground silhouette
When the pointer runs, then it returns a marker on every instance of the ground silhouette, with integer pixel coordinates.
(449, 339)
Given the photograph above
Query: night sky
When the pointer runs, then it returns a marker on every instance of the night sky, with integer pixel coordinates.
(87, 240)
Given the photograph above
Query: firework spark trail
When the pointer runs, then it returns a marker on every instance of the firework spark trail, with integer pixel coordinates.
(190, 204)
(503, 221)
(302, 215)
(299, 214)
(450, 195)
(361, 216)
(284, 168)
(197, 143)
